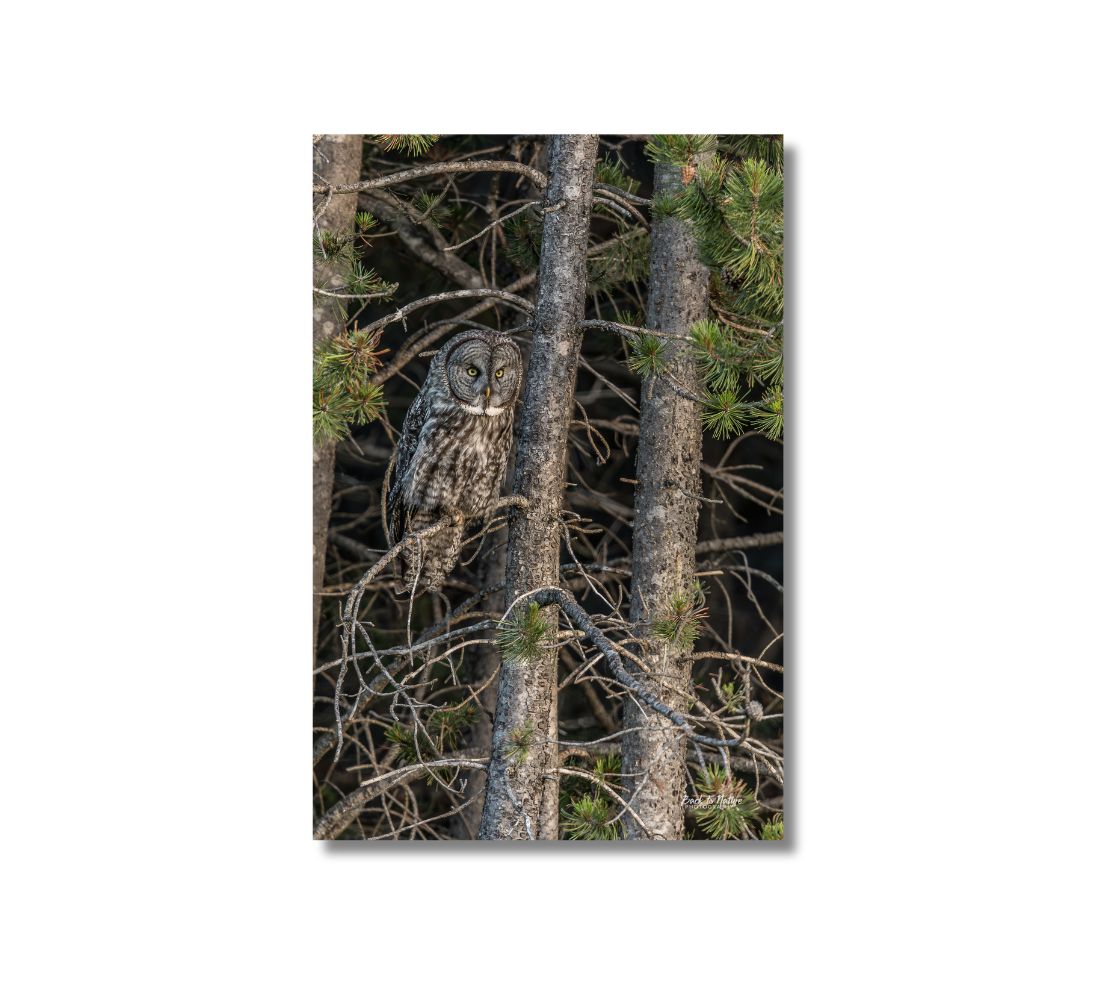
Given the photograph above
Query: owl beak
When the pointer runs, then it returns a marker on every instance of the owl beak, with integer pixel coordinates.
(488, 394)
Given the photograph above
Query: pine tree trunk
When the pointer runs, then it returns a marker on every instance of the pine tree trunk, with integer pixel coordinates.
(493, 574)
(337, 160)
(526, 702)
(487, 660)
(665, 518)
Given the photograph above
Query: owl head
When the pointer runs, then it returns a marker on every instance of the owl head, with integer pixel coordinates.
(482, 371)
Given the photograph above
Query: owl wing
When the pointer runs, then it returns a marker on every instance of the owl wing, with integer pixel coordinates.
(403, 455)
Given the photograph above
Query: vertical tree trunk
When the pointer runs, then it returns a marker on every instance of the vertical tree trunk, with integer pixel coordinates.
(337, 160)
(492, 574)
(665, 517)
(521, 754)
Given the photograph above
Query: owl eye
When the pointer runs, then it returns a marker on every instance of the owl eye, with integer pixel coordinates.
(472, 371)
(499, 373)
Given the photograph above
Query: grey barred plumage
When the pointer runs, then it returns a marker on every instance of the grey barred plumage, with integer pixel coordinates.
(450, 458)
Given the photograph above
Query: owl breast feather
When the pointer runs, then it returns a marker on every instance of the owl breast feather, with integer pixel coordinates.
(460, 462)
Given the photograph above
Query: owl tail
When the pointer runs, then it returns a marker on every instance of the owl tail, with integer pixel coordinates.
(426, 562)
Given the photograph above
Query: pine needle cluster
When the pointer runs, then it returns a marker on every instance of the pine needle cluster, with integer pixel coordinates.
(338, 260)
(589, 817)
(523, 240)
(520, 743)
(412, 145)
(727, 357)
(446, 214)
(647, 354)
(680, 625)
(591, 814)
(442, 732)
(520, 637)
(773, 828)
(342, 391)
(734, 808)
(679, 149)
(611, 170)
(735, 202)
(737, 211)
(767, 148)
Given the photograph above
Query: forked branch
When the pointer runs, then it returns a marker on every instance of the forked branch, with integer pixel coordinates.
(582, 620)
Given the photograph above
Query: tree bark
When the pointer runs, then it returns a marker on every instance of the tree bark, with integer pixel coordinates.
(492, 574)
(337, 160)
(526, 702)
(487, 660)
(665, 519)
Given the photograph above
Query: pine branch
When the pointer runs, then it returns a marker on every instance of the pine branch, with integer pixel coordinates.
(435, 170)
(342, 814)
(423, 341)
(413, 239)
(467, 293)
(349, 616)
(581, 619)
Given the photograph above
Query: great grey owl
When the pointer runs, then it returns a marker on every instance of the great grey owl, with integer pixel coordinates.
(450, 458)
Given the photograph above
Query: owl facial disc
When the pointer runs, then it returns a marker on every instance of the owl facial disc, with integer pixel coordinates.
(484, 376)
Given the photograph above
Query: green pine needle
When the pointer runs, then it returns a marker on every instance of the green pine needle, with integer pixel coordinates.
(366, 401)
(413, 145)
(715, 351)
(328, 418)
(432, 205)
(737, 211)
(520, 743)
(767, 148)
(343, 394)
(609, 765)
(769, 415)
(520, 638)
(362, 281)
(402, 744)
(726, 414)
(681, 623)
(612, 171)
(729, 816)
(647, 355)
(442, 732)
(448, 724)
(774, 828)
(347, 358)
(735, 203)
(329, 247)
(523, 241)
(665, 206)
(590, 818)
(678, 149)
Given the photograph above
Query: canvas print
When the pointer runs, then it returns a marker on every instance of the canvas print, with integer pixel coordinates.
(548, 487)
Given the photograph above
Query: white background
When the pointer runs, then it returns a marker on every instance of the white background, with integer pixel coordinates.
(953, 544)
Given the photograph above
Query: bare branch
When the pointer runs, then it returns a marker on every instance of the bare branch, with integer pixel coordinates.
(342, 814)
(572, 608)
(467, 293)
(411, 236)
(434, 170)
